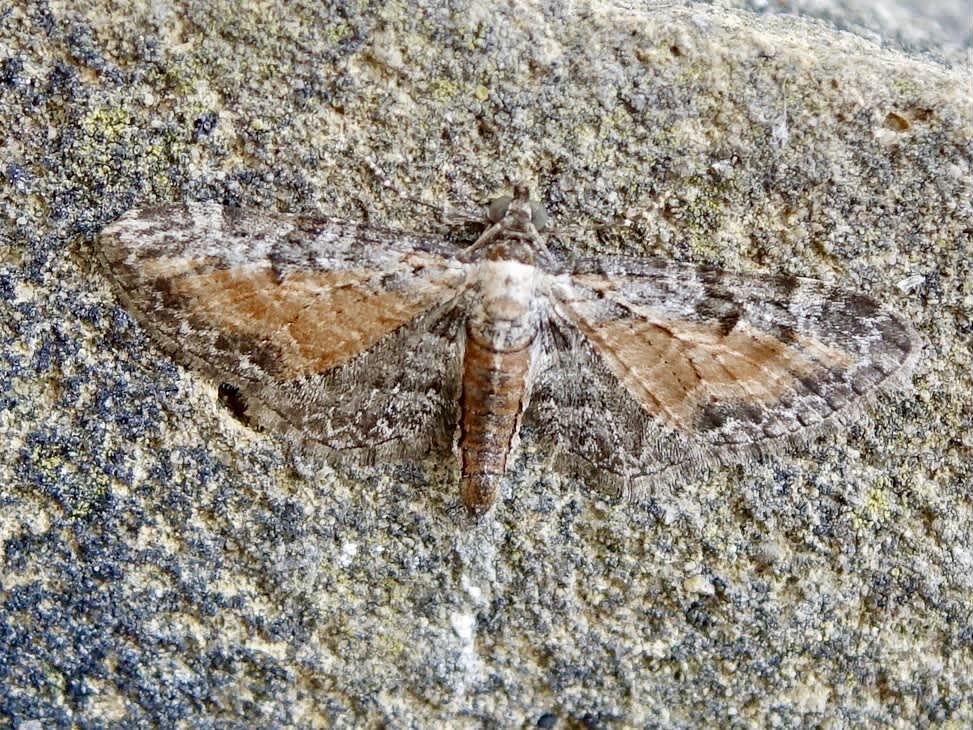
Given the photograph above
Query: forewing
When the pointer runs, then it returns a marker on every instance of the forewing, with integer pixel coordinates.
(284, 306)
(721, 363)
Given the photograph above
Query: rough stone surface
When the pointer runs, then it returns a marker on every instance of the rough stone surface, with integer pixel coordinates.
(164, 565)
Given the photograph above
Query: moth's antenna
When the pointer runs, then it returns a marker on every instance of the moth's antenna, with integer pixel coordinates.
(444, 213)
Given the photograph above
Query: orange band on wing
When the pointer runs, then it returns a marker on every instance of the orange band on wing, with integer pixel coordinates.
(677, 368)
(309, 321)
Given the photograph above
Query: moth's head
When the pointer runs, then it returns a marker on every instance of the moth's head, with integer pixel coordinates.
(518, 210)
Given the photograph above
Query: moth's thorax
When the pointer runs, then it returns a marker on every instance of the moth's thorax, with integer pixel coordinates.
(501, 314)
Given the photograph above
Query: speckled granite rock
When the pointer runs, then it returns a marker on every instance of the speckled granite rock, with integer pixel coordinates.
(164, 565)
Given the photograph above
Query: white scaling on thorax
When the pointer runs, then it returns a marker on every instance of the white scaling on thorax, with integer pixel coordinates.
(501, 315)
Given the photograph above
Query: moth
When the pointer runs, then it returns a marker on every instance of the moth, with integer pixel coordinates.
(379, 343)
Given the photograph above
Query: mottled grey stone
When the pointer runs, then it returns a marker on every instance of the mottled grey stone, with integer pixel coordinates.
(165, 565)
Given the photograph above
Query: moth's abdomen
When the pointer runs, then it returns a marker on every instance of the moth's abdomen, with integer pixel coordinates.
(494, 386)
(495, 366)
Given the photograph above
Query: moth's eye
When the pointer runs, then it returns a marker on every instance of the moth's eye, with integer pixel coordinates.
(498, 208)
(538, 216)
